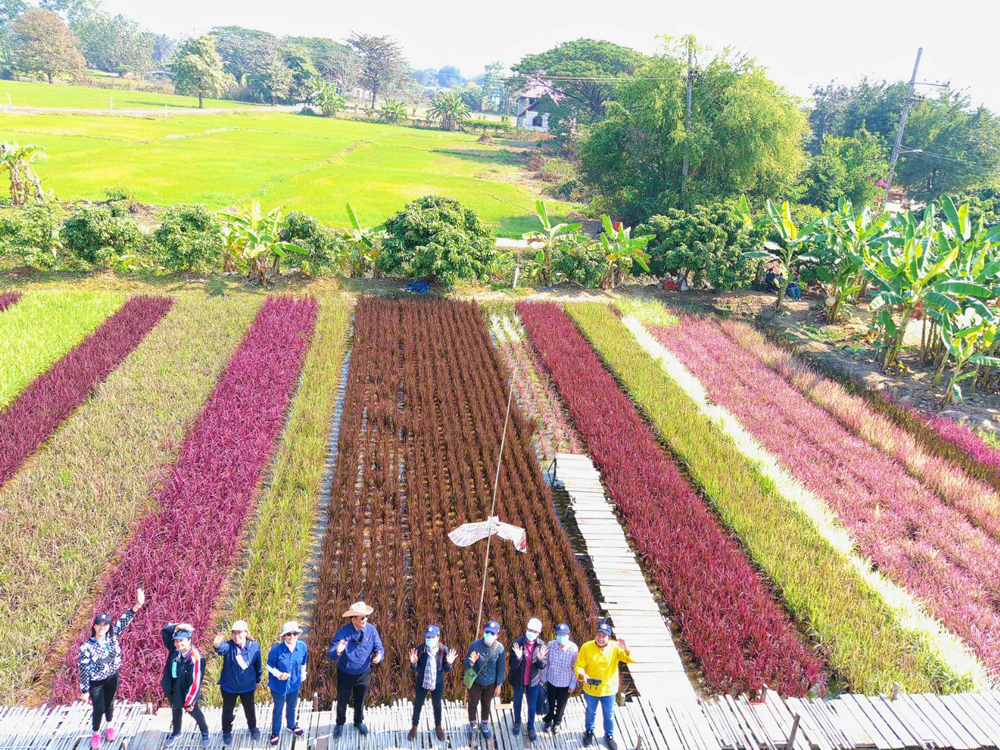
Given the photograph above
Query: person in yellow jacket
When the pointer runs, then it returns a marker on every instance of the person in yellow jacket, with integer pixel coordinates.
(597, 667)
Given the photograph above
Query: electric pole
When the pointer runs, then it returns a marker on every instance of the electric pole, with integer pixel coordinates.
(687, 121)
(902, 123)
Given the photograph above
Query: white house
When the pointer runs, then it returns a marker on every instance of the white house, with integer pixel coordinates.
(529, 118)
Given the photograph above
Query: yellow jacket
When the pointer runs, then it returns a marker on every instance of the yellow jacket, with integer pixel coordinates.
(602, 664)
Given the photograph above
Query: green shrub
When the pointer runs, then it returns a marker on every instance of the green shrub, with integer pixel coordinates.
(579, 261)
(30, 236)
(325, 250)
(120, 200)
(188, 238)
(435, 237)
(95, 234)
(706, 244)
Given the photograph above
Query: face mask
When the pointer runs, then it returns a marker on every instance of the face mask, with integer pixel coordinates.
(488, 638)
(530, 637)
(432, 643)
(561, 639)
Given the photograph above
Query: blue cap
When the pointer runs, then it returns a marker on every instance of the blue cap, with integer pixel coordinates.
(181, 634)
(433, 631)
(493, 627)
(604, 628)
(562, 629)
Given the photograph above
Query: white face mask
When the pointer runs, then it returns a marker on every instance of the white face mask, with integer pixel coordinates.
(432, 643)
(530, 637)
(488, 638)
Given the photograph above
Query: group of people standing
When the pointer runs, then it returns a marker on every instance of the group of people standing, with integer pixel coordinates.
(532, 666)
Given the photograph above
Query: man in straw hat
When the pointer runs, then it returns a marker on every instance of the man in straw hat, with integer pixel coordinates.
(355, 649)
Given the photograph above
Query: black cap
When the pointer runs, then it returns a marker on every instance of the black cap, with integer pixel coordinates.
(103, 618)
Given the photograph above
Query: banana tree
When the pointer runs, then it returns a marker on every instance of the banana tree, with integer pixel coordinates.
(16, 160)
(841, 240)
(794, 248)
(964, 344)
(253, 238)
(547, 240)
(621, 252)
(362, 245)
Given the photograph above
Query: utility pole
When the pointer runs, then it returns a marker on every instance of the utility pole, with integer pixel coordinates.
(902, 123)
(687, 120)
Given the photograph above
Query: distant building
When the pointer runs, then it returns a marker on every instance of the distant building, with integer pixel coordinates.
(529, 118)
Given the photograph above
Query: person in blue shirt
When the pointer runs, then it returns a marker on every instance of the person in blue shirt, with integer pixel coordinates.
(286, 665)
(355, 649)
(486, 660)
(239, 677)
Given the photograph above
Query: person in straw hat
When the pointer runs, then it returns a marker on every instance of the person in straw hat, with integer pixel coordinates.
(239, 677)
(286, 665)
(355, 649)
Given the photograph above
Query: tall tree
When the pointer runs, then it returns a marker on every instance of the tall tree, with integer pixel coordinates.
(163, 49)
(116, 44)
(582, 100)
(197, 69)
(382, 63)
(43, 44)
(269, 78)
(243, 49)
(303, 72)
(745, 138)
(494, 88)
(850, 167)
(335, 62)
(449, 77)
(9, 10)
(73, 12)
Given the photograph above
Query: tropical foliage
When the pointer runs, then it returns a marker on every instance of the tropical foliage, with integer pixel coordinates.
(449, 109)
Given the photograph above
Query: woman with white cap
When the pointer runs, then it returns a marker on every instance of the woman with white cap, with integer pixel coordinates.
(528, 657)
(239, 677)
(356, 648)
(183, 674)
(286, 663)
(100, 661)
(429, 663)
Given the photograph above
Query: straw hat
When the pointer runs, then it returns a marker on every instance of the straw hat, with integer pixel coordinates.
(358, 609)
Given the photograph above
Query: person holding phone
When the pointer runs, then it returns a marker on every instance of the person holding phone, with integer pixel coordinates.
(286, 665)
(597, 668)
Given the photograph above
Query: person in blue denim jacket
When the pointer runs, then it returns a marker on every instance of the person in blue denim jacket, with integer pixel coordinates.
(286, 665)
(356, 648)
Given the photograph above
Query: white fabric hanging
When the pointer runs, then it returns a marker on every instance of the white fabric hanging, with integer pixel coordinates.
(470, 533)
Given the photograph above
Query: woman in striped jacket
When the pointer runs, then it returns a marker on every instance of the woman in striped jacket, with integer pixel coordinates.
(100, 661)
(182, 677)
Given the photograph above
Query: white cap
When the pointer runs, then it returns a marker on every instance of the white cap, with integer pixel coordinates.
(535, 624)
(240, 625)
(290, 627)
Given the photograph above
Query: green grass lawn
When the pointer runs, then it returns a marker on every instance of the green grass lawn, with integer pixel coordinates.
(302, 163)
(30, 94)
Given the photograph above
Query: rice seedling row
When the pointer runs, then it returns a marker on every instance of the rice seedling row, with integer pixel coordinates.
(41, 328)
(48, 400)
(909, 533)
(182, 552)
(419, 440)
(66, 512)
(269, 588)
(726, 613)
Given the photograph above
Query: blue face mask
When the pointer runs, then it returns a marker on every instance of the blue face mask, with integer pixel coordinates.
(431, 643)
(561, 639)
(488, 638)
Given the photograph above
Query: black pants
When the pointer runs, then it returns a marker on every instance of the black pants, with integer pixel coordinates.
(229, 708)
(418, 703)
(481, 699)
(102, 697)
(348, 685)
(558, 697)
(196, 714)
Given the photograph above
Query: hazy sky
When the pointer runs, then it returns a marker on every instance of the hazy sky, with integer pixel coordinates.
(801, 42)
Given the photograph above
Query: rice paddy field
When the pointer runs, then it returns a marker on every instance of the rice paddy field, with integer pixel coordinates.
(63, 96)
(301, 163)
(245, 454)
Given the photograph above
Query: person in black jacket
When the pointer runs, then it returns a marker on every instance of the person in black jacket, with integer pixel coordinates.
(182, 677)
(528, 657)
(429, 664)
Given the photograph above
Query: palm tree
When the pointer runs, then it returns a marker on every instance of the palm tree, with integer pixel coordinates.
(24, 183)
(450, 109)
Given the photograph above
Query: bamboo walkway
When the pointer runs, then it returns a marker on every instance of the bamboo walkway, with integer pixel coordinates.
(658, 673)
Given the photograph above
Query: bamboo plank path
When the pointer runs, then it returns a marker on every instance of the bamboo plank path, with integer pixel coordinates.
(658, 673)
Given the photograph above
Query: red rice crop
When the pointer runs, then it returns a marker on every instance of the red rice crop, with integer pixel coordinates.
(45, 403)
(726, 613)
(181, 554)
(7, 299)
(417, 451)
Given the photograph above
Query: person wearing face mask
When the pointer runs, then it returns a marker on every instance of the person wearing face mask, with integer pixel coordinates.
(528, 657)
(484, 673)
(100, 660)
(597, 667)
(356, 648)
(560, 676)
(286, 665)
(182, 677)
(239, 677)
(429, 663)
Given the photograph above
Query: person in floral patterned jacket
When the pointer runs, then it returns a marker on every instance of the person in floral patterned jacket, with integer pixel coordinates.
(100, 662)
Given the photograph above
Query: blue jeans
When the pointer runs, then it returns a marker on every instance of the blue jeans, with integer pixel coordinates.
(532, 692)
(607, 710)
(289, 702)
